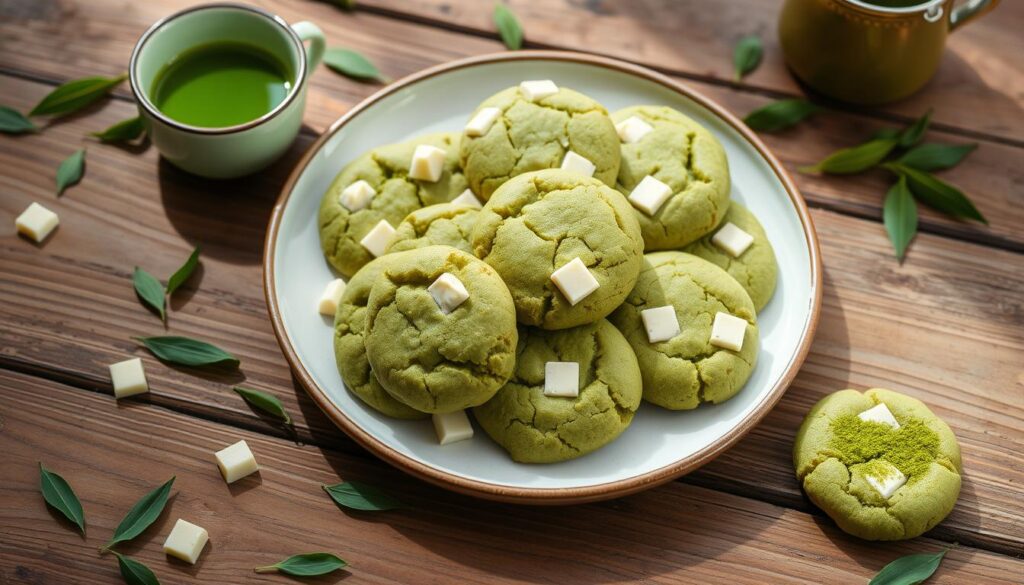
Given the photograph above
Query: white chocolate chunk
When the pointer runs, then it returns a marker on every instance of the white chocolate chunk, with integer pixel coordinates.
(236, 461)
(480, 123)
(538, 89)
(879, 413)
(727, 331)
(467, 198)
(574, 280)
(328, 304)
(632, 129)
(888, 483)
(578, 164)
(448, 292)
(129, 378)
(377, 239)
(357, 195)
(562, 379)
(36, 222)
(427, 163)
(452, 427)
(186, 541)
(649, 195)
(661, 323)
(732, 239)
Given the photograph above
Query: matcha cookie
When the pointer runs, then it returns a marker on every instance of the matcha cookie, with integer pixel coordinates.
(686, 369)
(445, 224)
(539, 223)
(891, 477)
(536, 428)
(385, 170)
(683, 155)
(755, 269)
(349, 351)
(431, 360)
(533, 135)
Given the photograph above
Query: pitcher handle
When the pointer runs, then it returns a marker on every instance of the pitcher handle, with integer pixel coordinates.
(310, 32)
(968, 11)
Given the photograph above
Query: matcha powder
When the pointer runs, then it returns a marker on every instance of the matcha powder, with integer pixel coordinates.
(911, 448)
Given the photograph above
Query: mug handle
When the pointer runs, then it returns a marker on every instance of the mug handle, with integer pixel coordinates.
(968, 11)
(310, 32)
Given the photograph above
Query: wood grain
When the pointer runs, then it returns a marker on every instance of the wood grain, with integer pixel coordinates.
(112, 453)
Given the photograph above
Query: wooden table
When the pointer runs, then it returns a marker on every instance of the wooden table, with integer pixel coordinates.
(947, 326)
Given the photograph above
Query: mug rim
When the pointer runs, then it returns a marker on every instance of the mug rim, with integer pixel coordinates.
(142, 98)
(922, 6)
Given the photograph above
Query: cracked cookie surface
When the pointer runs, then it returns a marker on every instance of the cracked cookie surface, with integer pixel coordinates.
(444, 224)
(529, 136)
(386, 169)
(426, 359)
(535, 428)
(685, 156)
(756, 269)
(834, 450)
(686, 371)
(538, 222)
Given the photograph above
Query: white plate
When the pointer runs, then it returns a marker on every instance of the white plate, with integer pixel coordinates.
(660, 444)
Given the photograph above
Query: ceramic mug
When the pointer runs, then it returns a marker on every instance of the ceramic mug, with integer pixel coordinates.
(870, 51)
(231, 151)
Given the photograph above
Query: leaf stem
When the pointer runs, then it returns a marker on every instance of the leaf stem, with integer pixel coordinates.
(267, 569)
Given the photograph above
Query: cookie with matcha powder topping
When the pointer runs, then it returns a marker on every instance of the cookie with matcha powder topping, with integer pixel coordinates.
(445, 224)
(386, 170)
(535, 428)
(844, 462)
(533, 135)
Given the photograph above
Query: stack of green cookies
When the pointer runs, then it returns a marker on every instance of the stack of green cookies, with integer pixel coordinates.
(545, 270)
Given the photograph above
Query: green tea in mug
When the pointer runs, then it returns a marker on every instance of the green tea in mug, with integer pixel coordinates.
(221, 84)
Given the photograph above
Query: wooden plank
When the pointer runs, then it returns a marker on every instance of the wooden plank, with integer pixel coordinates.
(69, 310)
(991, 176)
(112, 453)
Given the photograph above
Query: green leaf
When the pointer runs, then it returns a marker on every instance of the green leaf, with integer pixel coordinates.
(70, 171)
(909, 570)
(854, 159)
(306, 565)
(508, 27)
(142, 514)
(181, 275)
(14, 122)
(123, 131)
(779, 115)
(185, 351)
(268, 403)
(352, 64)
(746, 56)
(915, 131)
(59, 495)
(359, 496)
(150, 291)
(886, 133)
(134, 572)
(346, 5)
(900, 216)
(938, 194)
(75, 95)
(935, 157)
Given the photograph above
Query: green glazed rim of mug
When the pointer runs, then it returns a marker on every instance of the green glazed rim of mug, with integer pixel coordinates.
(867, 6)
(143, 98)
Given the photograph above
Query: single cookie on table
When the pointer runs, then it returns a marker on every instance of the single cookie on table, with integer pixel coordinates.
(687, 193)
(879, 463)
(440, 329)
(527, 134)
(567, 246)
(536, 417)
(349, 350)
(693, 328)
(377, 187)
(444, 224)
(744, 251)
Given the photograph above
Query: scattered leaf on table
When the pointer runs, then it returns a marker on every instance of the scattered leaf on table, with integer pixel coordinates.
(935, 157)
(14, 122)
(59, 495)
(70, 171)
(267, 403)
(142, 514)
(352, 64)
(123, 131)
(886, 133)
(134, 572)
(854, 159)
(900, 216)
(508, 27)
(915, 131)
(938, 194)
(746, 56)
(359, 496)
(185, 351)
(150, 291)
(75, 95)
(779, 115)
(347, 5)
(909, 570)
(181, 275)
(306, 565)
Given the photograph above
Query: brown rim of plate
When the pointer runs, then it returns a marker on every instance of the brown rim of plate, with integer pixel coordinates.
(549, 496)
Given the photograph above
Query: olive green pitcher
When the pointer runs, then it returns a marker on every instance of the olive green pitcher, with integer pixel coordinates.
(870, 51)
